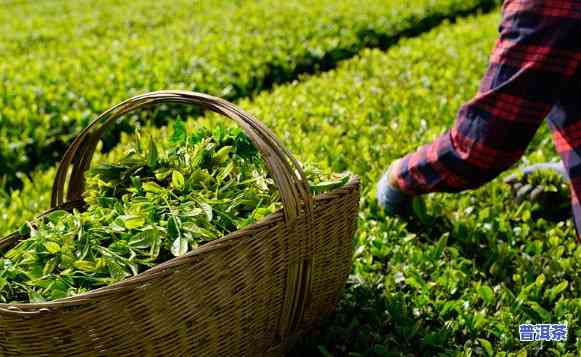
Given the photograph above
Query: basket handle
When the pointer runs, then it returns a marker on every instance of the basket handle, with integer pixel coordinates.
(284, 168)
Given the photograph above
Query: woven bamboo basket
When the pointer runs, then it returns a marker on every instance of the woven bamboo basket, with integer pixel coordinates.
(249, 293)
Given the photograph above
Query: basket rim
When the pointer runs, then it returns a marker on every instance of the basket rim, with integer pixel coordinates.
(170, 266)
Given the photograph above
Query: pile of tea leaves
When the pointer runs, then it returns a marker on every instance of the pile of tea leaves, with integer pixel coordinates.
(161, 201)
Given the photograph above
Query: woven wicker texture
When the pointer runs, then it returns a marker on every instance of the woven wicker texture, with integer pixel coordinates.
(247, 294)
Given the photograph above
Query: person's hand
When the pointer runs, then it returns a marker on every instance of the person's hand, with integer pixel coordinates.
(531, 184)
(525, 189)
(390, 197)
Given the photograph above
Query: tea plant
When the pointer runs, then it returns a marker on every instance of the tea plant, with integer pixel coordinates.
(65, 62)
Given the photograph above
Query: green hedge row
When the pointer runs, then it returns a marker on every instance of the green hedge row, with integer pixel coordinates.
(459, 280)
(26, 26)
(62, 62)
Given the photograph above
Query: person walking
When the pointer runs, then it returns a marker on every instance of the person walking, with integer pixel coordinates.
(534, 74)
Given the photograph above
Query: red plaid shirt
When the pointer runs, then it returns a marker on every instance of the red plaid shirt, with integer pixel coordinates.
(534, 73)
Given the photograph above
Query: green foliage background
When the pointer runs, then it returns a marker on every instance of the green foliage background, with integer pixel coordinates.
(62, 62)
(456, 282)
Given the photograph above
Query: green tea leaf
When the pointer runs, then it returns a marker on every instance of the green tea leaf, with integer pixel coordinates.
(540, 280)
(162, 173)
(223, 154)
(52, 247)
(85, 265)
(486, 346)
(152, 154)
(419, 208)
(152, 187)
(556, 290)
(24, 229)
(56, 216)
(207, 209)
(329, 185)
(141, 240)
(439, 247)
(179, 246)
(542, 312)
(173, 227)
(132, 222)
(487, 294)
(177, 180)
(155, 240)
(50, 266)
(179, 134)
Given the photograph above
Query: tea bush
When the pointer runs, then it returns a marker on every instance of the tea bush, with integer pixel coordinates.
(460, 278)
(65, 61)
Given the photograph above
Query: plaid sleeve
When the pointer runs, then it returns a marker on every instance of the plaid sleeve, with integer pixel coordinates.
(535, 56)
